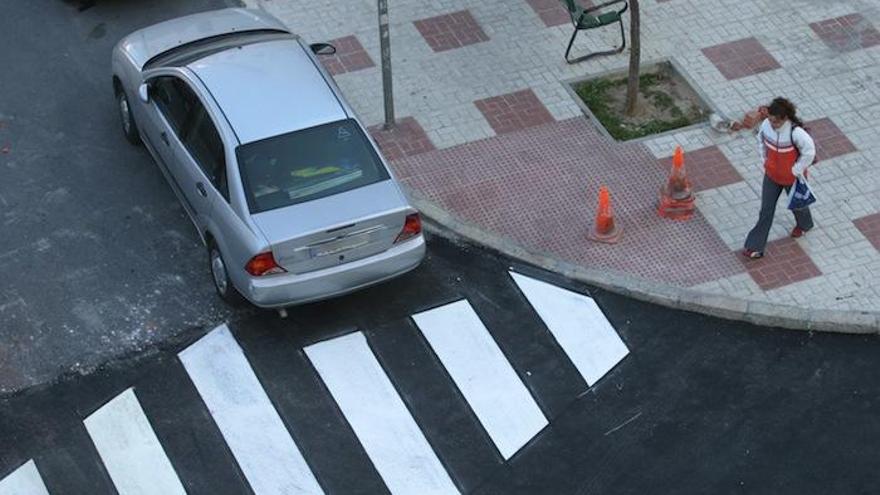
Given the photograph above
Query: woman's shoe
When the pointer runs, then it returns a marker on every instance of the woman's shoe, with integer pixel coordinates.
(798, 232)
(752, 255)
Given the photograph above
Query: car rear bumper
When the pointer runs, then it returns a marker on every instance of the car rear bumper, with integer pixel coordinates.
(291, 289)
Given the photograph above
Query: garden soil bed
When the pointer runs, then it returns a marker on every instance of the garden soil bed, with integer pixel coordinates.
(666, 102)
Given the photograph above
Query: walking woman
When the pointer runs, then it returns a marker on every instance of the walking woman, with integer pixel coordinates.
(787, 151)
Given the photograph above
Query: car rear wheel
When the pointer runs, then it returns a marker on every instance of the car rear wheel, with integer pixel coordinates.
(129, 127)
(220, 276)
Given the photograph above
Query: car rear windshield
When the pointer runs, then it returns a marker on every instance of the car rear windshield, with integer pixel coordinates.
(307, 164)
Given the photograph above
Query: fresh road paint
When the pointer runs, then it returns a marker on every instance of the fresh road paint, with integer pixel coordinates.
(483, 374)
(264, 449)
(25, 480)
(378, 416)
(578, 325)
(132, 454)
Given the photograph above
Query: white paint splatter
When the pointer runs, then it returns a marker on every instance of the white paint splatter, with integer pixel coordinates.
(59, 195)
(18, 301)
(43, 245)
(76, 234)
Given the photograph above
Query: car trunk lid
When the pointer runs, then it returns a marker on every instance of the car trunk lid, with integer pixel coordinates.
(336, 229)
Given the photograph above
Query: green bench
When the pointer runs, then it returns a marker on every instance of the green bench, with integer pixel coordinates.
(592, 18)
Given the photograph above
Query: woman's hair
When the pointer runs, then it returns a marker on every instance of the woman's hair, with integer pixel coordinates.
(780, 107)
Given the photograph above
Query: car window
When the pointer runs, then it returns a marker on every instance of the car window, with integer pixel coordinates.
(307, 164)
(205, 146)
(174, 99)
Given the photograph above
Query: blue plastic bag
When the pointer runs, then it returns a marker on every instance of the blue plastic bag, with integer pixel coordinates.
(800, 195)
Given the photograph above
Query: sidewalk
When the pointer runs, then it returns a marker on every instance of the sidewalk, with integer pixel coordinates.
(494, 148)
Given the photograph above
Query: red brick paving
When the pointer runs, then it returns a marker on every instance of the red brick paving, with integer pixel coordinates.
(539, 187)
(784, 263)
(349, 57)
(706, 168)
(514, 111)
(870, 228)
(741, 58)
(553, 12)
(847, 33)
(450, 31)
(830, 141)
(407, 138)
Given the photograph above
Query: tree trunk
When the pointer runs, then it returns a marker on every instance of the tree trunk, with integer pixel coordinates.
(632, 85)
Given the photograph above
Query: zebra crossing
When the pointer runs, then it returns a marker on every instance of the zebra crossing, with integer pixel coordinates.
(392, 436)
(129, 448)
(578, 324)
(379, 417)
(498, 397)
(25, 480)
(268, 456)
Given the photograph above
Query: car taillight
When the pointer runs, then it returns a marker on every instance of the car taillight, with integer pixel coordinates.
(411, 228)
(263, 264)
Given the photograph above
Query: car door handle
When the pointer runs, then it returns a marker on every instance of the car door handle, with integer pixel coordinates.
(201, 187)
(164, 137)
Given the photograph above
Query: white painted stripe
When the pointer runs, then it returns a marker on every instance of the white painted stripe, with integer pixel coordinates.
(25, 480)
(578, 325)
(482, 373)
(130, 450)
(264, 449)
(378, 416)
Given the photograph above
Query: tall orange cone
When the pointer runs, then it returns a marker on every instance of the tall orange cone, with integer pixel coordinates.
(605, 229)
(676, 196)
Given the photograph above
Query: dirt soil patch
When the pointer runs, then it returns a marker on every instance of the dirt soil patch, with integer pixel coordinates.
(666, 102)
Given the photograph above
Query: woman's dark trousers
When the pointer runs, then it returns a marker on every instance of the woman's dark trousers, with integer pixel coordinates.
(770, 191)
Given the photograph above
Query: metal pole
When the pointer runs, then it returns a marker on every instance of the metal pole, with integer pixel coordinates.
(385, 47)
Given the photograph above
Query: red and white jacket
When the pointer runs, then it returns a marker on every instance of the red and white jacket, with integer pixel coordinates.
(781, 160)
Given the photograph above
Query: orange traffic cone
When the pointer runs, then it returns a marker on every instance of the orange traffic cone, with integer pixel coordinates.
(605, 229)
(676, 196)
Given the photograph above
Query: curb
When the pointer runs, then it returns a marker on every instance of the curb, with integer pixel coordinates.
(444, 224)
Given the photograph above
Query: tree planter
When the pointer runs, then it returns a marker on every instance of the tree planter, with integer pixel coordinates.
(667, 102)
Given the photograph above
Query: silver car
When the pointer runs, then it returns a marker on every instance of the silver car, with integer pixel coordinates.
(289, 193)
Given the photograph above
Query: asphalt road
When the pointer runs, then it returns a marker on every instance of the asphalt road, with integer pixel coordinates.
(97, 259)
(699, 405)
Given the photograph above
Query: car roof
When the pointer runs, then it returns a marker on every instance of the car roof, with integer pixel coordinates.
(269, 88)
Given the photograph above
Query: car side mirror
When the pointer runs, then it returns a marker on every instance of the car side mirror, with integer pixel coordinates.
(144, 92)
(322, 48)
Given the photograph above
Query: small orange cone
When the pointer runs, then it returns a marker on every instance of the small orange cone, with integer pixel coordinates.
(676, 196)
(605, 229)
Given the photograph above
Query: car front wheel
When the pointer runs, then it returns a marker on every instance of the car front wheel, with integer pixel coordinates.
(220, 276)
(129, 128)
